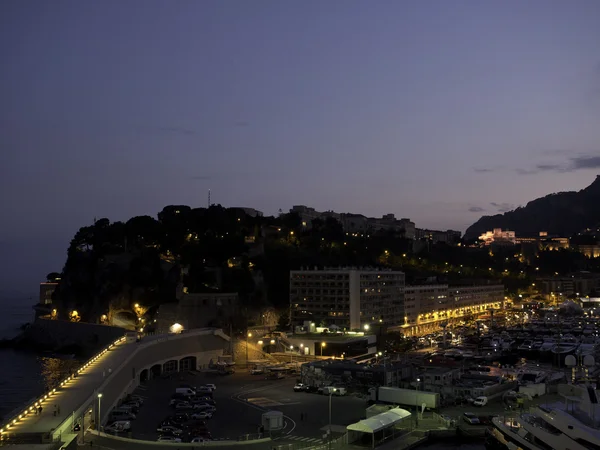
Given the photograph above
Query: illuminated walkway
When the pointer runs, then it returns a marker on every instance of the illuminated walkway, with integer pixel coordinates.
(111, 373)
(73, 394)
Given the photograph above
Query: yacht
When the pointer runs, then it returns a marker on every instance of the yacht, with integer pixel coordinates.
(573, 426)
(548, 344)
(529, 376)
(526, 346)
(588, 346)
(564, 349)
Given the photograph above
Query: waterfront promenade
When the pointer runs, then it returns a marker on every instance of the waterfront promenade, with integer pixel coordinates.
(73, 394)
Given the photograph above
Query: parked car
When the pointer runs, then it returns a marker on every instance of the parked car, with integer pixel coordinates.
(114, 429)
(471, 418)
(183, 406)
(257, 371)
(480, 401)
(202, 415)
(198, 440)
(207, 400)
(211, 386)
(300, 387)
(169, 429)
(168, 439)
(125, 424)
(180, 417)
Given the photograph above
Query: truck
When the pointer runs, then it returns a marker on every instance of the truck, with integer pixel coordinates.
(409, 397)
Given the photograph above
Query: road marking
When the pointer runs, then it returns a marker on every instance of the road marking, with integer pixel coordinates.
(304, 439)
(264, 401)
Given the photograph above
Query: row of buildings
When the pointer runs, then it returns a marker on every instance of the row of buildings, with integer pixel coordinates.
(500, 237)
(356, 298)
(358, 223)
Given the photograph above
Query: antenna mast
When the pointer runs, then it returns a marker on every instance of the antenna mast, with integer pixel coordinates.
(209, 198)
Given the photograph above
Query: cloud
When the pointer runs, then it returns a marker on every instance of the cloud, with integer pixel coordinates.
(571, 165)
(585, 162)
(503, 207)
(525, 171)
(482, 169)
(476, 209)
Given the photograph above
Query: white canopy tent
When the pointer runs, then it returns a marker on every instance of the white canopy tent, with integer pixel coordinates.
(379, 422)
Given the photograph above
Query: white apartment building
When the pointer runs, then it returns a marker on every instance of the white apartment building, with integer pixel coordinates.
(426, 306)
(347, 297)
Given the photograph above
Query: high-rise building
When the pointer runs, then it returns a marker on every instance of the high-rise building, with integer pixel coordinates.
(347, 297)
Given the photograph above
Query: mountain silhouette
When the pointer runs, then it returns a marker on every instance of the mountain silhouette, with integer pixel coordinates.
(562, 214)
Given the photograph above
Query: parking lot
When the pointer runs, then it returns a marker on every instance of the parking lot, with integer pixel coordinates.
(241, 399)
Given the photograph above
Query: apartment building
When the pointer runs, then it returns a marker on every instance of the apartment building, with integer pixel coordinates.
(420, 301)
(356, 223)
(429, 305)
(347, 297)
(436, 236)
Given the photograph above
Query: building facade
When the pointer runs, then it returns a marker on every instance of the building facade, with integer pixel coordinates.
(46, 291)
(436, 236)
(349, 298)
(199, 310)
(430, 305)
(497, 236)
(421, 301)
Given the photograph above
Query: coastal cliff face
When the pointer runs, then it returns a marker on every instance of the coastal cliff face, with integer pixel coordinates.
(563, 214)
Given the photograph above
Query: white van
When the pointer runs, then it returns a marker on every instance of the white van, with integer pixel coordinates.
(185, 391)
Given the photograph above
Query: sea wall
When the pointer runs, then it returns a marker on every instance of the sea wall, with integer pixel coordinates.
(56, 335)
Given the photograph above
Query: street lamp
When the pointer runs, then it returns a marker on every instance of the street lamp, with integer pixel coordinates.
(260, 342)
(366, 327)
(331, 391)
(322, 345)
(291, 353)
(417, 396)
(249, 335)
(99, 413)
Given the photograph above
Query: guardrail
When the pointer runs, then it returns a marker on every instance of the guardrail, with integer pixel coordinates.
(39, 402)
(224, 443)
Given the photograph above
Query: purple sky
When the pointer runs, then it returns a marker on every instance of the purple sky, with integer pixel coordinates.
(435, 110)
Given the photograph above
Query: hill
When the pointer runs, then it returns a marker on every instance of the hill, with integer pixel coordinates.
(563, 213)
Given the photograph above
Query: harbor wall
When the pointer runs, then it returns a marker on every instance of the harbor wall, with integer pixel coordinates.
(63, 333)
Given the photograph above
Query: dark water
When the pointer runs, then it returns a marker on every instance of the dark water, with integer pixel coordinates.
(24, 375)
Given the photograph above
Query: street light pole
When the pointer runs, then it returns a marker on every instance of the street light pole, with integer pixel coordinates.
(99, 411)
(249, 335)
(329, 430)
(291, 353)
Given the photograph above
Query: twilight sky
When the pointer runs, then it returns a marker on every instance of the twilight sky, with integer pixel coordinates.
(436, 110)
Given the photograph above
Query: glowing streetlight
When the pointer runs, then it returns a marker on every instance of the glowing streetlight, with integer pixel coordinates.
(249, 335)
(176, 328)
(322, 345)
(99, 405)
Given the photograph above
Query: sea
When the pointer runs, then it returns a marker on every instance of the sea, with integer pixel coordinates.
(24, 375)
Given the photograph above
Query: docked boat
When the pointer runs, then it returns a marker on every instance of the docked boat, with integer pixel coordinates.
(562, 427)
(526, 346)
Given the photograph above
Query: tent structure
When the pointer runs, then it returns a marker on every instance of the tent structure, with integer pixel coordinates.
(377, 426)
